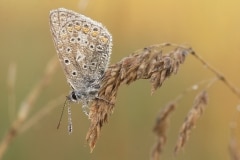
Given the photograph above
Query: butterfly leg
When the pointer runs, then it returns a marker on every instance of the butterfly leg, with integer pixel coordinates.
(85, 108)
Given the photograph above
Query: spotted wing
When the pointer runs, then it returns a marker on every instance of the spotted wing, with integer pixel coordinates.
(83, 46)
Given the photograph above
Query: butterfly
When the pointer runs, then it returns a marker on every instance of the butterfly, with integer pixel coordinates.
(83, 47)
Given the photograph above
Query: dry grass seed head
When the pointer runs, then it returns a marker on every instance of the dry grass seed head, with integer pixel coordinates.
(160, 130)
(196, 111)
(148, 63)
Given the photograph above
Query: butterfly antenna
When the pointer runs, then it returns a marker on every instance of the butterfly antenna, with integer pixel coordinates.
(59, 122)
(70, 128)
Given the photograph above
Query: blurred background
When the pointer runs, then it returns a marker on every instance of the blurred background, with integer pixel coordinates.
(210, 27)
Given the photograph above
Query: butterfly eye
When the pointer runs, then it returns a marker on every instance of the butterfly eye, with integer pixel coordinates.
(73, 96)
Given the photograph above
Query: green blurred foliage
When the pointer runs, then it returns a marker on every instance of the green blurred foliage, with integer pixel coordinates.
(210, 27)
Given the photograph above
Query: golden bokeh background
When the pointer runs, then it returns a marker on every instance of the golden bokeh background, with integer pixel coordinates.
(212, 28)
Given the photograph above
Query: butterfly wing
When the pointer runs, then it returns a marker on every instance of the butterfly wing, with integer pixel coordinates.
(83, 46)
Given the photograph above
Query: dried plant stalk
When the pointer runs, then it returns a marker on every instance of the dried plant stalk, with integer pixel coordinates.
(148, 63)
(234, 149)
(45, 110)
(11, 81)
(196, 111)
(220, 76)
(27, 105)
(160, 130)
